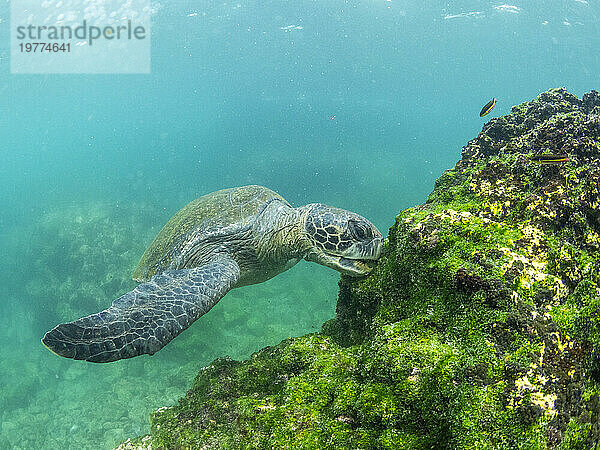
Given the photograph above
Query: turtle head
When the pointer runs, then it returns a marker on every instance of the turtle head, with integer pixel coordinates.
(341, 239)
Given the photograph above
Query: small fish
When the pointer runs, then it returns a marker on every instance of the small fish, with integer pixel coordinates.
(488, 107)
(550, 158)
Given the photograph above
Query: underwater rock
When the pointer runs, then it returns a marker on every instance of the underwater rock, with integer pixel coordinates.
(479, 327)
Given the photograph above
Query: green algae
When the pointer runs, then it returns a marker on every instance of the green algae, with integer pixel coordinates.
(479, 328)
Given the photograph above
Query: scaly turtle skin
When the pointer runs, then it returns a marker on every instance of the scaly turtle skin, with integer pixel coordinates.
(230, 238)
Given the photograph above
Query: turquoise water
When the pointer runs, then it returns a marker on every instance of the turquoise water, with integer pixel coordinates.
(362, 107)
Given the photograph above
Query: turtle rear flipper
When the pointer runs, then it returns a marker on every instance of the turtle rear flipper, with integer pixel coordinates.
(146, 319)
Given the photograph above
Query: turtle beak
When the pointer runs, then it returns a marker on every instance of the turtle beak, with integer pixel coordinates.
(370, 252)
(355, 267)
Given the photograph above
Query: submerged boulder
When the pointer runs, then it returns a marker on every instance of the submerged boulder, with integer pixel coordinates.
(479, 327)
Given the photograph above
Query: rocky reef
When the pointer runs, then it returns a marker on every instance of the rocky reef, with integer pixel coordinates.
(479, 327)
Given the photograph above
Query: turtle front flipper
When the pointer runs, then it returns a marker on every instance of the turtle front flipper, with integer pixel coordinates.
(144, 320)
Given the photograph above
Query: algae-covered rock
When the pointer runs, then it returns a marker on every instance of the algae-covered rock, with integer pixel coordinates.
(479, 328)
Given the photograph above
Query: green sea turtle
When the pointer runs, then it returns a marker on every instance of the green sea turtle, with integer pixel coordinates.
(220, 241)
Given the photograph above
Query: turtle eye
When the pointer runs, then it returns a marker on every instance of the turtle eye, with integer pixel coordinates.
(359, 230)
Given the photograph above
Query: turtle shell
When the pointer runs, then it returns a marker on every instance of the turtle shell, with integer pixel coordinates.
(208, 213)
